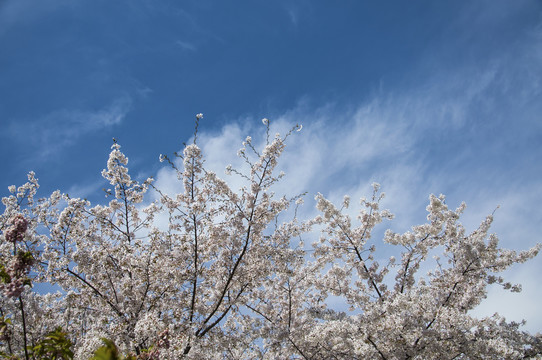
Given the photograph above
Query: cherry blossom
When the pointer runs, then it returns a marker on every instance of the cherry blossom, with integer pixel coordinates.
(228, 274)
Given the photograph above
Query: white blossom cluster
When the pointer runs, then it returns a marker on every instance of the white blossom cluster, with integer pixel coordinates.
(229, 278)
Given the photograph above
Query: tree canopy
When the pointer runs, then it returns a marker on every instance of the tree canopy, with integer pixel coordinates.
(214, 272)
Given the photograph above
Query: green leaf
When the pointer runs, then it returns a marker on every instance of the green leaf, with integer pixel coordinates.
(4, 276)
(107, 352)
(54, 346)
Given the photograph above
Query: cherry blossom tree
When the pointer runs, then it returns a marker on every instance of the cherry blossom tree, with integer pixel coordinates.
(218, 273)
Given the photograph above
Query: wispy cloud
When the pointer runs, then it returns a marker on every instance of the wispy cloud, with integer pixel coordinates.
(61, 128)
(452, 132)
(297, 11)
(292, 14)
(185, 45)
(86, 190)
(13, 12)
(372, 146)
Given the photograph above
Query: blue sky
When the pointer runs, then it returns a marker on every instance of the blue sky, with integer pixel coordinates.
(421, 96)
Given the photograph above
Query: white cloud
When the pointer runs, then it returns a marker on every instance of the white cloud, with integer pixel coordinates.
(384, 140)
(84, 191)
(422, 140)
